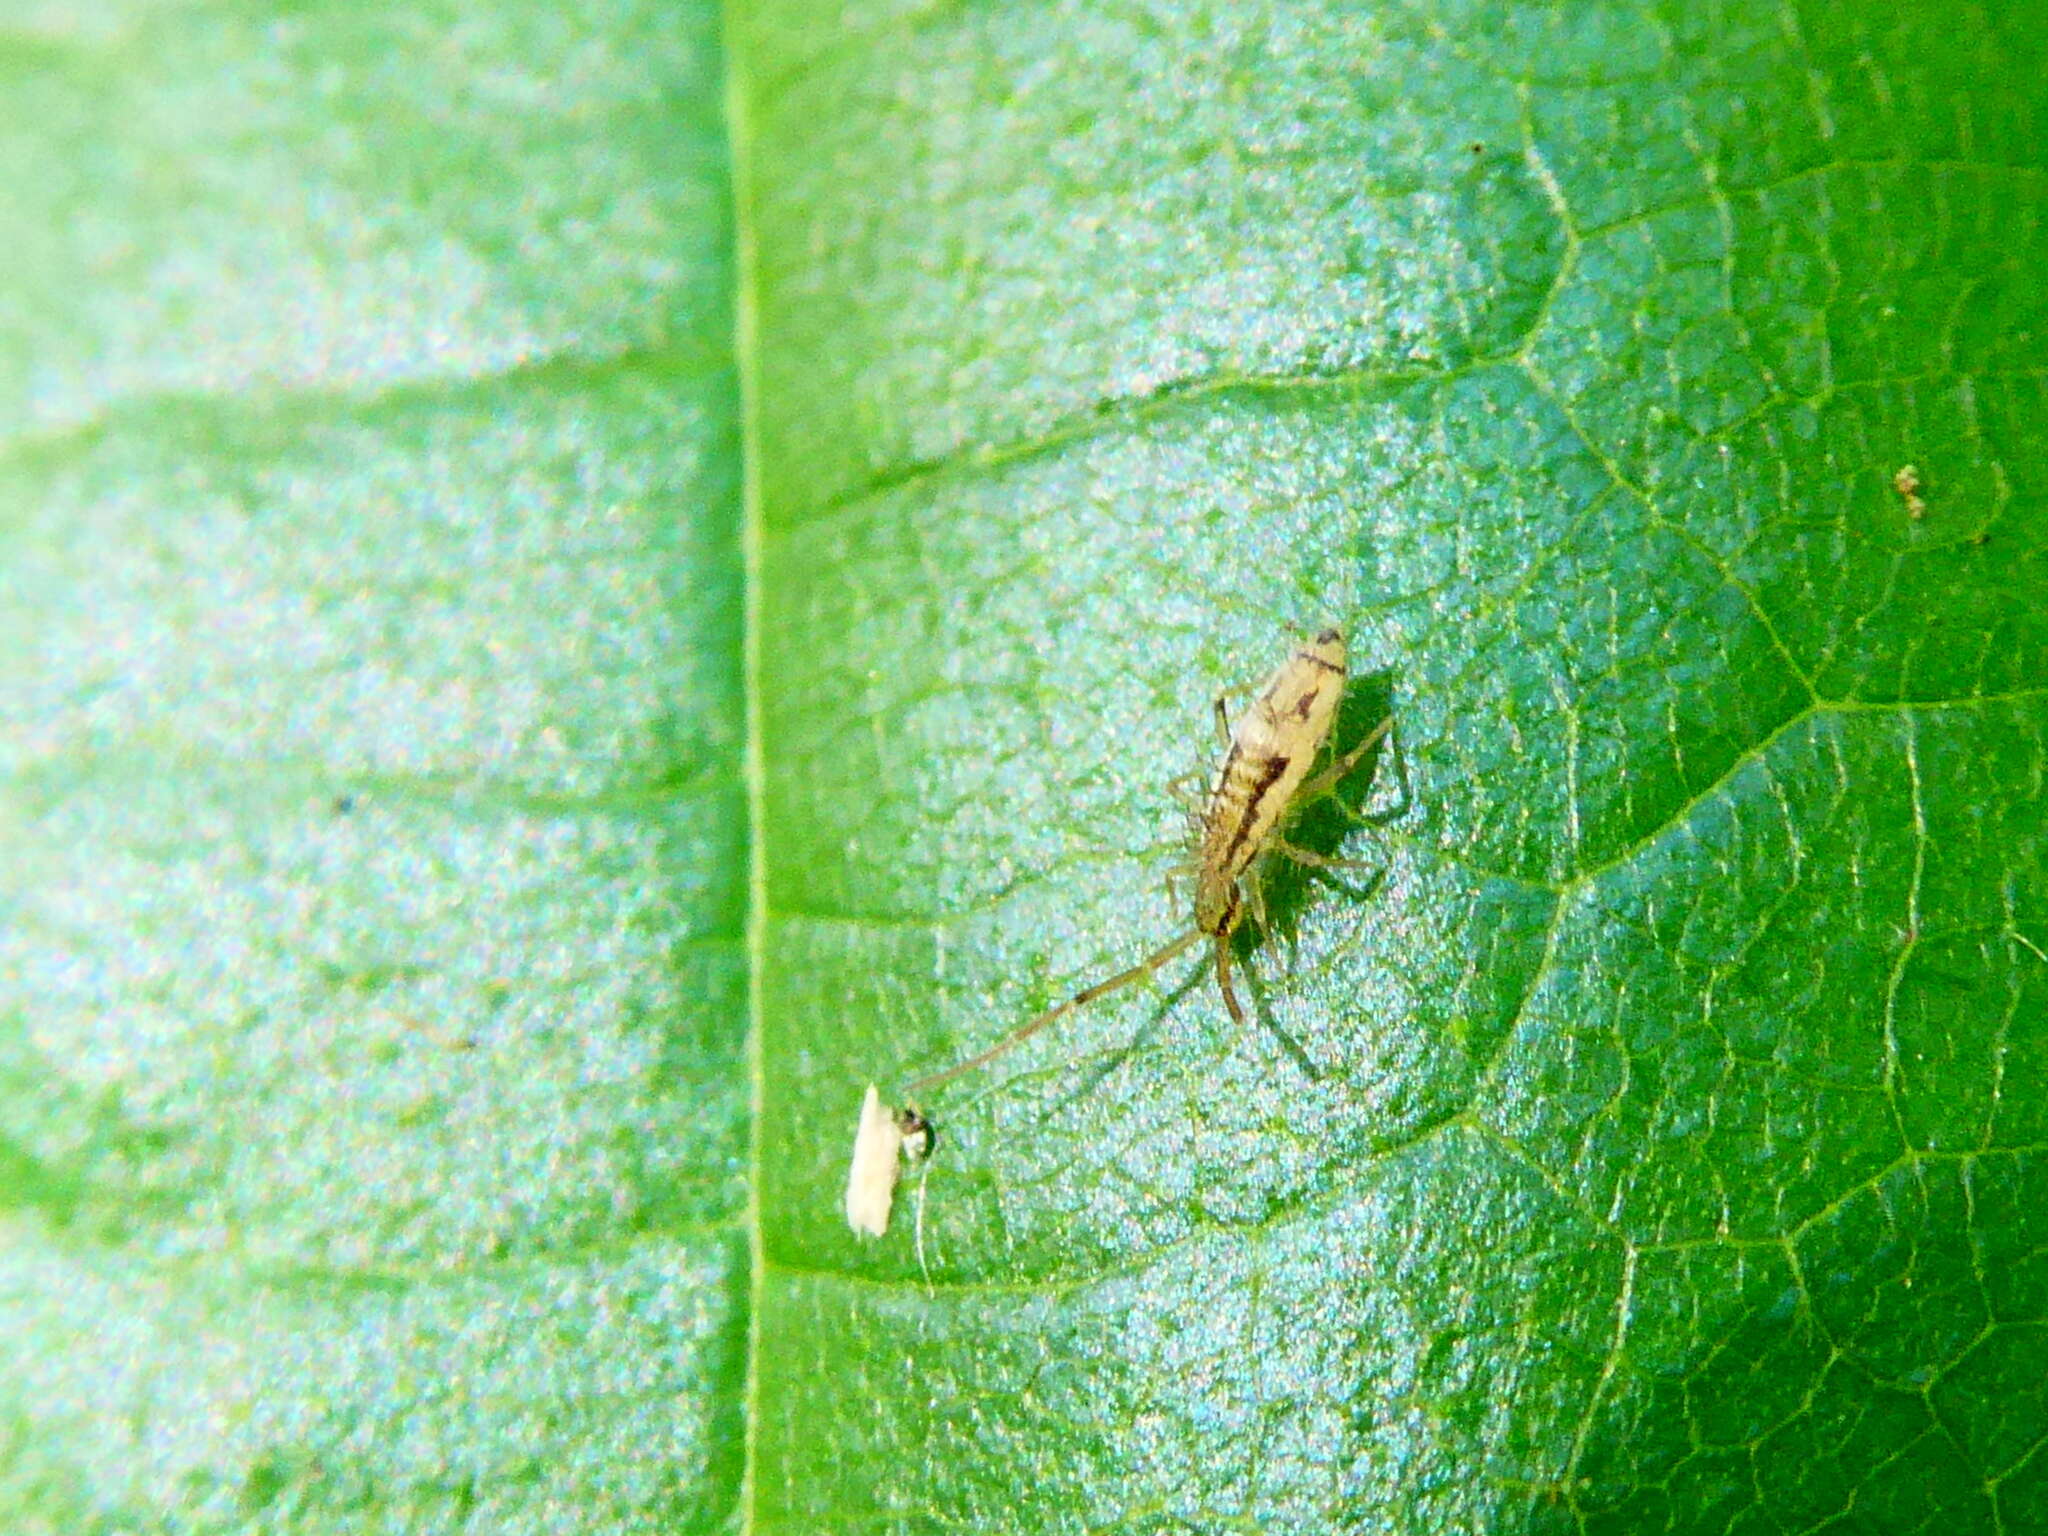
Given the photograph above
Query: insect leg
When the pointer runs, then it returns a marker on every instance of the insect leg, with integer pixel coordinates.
(1223, 980)
(1190, 789)
(1303, 1062)
(1315, 860)
(1254, 890)
(1403, 792)
(1225, 733)
(1326, 781)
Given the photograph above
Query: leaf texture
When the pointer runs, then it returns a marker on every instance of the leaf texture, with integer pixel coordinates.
(578, 584)
(1648, 1149)
(372, 970)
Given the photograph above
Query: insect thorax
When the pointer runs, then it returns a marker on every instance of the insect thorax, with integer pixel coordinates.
(1216, 903)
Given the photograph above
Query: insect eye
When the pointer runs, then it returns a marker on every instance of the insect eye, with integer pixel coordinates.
(920, 1136)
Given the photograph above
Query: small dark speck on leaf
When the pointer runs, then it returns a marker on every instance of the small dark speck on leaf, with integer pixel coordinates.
(447, 1042)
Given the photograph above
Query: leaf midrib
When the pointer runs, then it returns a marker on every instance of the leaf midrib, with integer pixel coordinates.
(747, 377)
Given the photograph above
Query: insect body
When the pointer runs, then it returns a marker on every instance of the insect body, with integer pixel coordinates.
(1273, 746)
(1271, 751)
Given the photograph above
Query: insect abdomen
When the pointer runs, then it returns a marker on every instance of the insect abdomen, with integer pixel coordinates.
(1271, 752)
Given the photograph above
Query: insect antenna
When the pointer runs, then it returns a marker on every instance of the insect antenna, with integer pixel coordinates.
(1080, 999)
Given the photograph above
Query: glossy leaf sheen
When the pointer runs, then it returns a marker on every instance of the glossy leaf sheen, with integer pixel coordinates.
(372, 971)
(1658, 1144)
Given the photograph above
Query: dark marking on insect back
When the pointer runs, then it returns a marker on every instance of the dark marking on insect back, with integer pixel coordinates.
(1232, 903)
(1269, 775)
(1322, 661)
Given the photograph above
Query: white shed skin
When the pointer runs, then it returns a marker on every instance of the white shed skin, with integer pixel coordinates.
(871, 1181)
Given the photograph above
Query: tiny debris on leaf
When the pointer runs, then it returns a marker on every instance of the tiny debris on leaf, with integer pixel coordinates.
(1907, 483)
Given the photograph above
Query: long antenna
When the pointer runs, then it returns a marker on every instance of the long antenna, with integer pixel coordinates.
(1080, 999)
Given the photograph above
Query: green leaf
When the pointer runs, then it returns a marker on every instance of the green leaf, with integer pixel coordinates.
(1657, 1145)
(372, 1115)
(487, 787)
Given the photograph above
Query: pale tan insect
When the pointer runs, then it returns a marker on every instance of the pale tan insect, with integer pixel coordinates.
(1265, 773)
(886, 1138)
(1908, 484)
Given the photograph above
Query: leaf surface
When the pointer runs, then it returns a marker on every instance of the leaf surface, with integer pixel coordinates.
(441, 949)
(1651, 1146)
(372, 972)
